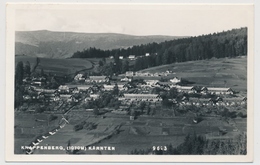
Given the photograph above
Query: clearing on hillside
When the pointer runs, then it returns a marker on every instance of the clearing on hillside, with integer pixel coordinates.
(224, 72)
(57, 66)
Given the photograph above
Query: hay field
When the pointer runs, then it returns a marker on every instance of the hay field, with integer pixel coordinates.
(57, 66)
(225, 72)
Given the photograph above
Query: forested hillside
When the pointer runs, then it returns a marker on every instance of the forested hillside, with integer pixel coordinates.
(230, 43)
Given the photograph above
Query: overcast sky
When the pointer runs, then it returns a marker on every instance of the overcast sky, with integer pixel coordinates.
(172, 20)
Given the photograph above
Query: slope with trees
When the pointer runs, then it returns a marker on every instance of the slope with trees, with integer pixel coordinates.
(231, 43)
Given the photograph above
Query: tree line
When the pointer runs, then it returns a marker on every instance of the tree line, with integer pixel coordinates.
(229, 43)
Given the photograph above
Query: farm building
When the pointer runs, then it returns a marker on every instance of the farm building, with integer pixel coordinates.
(186, 89)
(78, 88)
(63, 89)
(175, 80)
(235, 101)
(37, 83)
(165, 85)
(132, 117)
(142, 97)
(94, 96)
(72, 99)
(151, 82)
(126, 79)
(142, 74)
(213, 90)
(74, 90)
(83, 87)
(79, 77)
(97, 79)
(129, 74)
(111, 87)
(131, 57)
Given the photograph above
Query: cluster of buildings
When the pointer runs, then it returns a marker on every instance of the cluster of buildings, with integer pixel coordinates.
(147, 74)
(95, 84)
(91, 79)
(35, 81)
(47, 95)
(141, 97)
(234, 101)
(205, 90)
(132, 57)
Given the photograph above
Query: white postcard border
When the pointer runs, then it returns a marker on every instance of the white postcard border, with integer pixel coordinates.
(9, 131)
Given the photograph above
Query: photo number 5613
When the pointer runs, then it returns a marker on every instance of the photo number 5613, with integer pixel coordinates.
(159, 148)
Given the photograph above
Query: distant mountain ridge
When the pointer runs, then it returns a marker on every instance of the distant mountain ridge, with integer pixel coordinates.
(52, 44)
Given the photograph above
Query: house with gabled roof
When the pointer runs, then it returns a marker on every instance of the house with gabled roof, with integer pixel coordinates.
(129, 74)
(131, 57)
(186, 89)
(97, 79)
(217, 91)
(175, 80)
(141, 97)
(63, 89)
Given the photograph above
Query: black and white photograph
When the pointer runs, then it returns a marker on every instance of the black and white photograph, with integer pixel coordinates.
(147, 80)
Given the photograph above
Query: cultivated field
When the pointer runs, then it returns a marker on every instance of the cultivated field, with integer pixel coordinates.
(57, 66)
(29, 126)
(223, 72)
(142, 133)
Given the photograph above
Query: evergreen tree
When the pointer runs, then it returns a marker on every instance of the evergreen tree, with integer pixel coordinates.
(27, 68)
(19, 73)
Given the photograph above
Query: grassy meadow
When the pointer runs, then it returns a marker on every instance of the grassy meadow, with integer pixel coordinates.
(57, 66)
(222, 72)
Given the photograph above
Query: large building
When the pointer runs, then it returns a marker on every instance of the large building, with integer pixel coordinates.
(213, 90)
(175, 80)
(111, 87)
(142, 97)
(186, 89)
(97, 79)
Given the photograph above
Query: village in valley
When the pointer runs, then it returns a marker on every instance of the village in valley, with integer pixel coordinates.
(127, 111)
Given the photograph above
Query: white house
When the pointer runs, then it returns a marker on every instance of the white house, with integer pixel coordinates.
(126, 79)
(129, 74)
(97, 79)
(112, 86)
(142, 97)
(213, 90)
(131, 57)
(79, 77)
(121, 57)
(186, 89)
(175, 80)
(63, 89)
